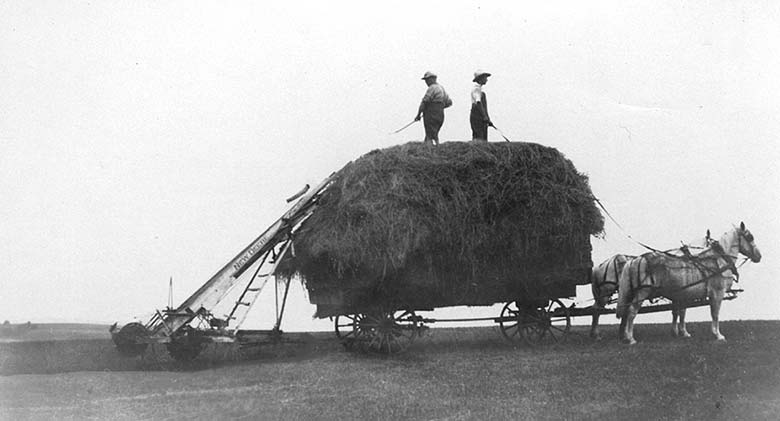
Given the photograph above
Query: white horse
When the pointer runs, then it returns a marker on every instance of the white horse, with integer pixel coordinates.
(683, 278)
(678, 311)
(604, 283)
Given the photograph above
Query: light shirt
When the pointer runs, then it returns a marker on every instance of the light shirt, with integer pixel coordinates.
(435, 93)
(476, 93)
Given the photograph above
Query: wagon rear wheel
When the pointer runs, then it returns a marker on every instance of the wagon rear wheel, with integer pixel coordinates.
(548, 324)
(387, 332)
(346, 328)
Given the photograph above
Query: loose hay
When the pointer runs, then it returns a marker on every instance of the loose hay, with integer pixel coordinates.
(414, 226)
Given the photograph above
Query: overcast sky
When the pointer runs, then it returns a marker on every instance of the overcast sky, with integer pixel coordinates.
(146, 140)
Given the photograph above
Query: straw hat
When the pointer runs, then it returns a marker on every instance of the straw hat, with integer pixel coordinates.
(479, 73)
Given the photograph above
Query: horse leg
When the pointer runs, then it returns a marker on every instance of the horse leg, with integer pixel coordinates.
(716, 298)
(622, 328)
(631, 313)
(675, 330)
(594, 325)
(682, 330)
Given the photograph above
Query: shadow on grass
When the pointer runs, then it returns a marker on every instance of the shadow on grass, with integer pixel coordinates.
(48, 357)
(60, 356)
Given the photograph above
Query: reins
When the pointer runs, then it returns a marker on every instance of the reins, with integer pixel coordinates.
(596, 199)
(706, 272)
(665, 252)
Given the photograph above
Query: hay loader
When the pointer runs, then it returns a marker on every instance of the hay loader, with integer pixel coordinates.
(186, 329)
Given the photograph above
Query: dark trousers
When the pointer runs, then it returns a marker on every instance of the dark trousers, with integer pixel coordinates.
(433, 119)
(479, 127)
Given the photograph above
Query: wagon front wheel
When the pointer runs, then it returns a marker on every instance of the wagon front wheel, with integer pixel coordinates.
(510, 322)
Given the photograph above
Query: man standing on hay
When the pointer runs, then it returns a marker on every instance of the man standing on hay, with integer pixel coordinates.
(479, 118)
(432, 108)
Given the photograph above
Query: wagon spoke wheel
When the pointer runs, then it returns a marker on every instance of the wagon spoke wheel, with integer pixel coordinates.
(346, 328)
(386, 332)
(509, 322)
(548, 324)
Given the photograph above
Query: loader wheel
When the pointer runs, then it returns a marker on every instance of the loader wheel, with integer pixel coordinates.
(185, 348)
(130, 340)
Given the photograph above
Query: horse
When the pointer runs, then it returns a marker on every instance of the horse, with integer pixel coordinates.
(683, 277)
(603, 283)
(678, 311)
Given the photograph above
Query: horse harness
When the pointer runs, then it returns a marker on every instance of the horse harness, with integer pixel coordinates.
(707, 273)
(605, 281)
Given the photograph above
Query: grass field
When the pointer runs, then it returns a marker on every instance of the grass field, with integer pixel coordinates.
(453, 374)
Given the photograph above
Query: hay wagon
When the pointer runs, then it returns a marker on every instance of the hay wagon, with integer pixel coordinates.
(389, 326)
(411, 228)
(404, 230)
(388, 321)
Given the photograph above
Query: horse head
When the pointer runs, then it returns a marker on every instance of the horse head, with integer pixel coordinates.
(747, 245)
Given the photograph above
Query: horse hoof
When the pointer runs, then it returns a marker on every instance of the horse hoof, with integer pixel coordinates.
(720, 339)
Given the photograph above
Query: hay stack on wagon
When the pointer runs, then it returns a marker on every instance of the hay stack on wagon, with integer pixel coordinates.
(419, 227)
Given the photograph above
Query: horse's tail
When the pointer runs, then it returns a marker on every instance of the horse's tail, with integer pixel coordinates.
(626, 285)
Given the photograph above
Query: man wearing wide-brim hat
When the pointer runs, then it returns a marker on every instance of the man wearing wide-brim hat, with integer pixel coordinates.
(432, 108)
(479, 118)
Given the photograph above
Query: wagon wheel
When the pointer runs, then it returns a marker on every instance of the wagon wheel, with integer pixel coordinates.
(346, 329)
(130, 340)
(509, 322)
(186, 347)
(548, 324)
(386, 332)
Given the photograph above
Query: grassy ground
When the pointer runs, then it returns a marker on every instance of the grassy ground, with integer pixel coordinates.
(24, 332)
(452, 374)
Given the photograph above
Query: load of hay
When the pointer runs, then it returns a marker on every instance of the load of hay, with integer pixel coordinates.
(419, 227)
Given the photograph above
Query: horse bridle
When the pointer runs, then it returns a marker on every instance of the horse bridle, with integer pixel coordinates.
(748, 236)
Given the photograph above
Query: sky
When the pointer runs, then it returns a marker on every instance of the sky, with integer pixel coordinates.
(144, 141)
